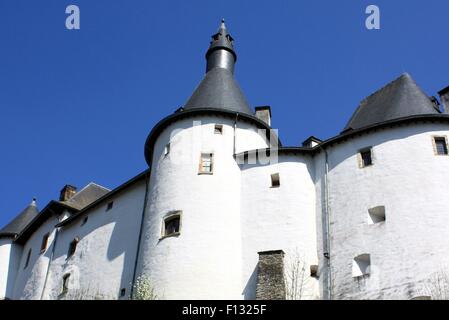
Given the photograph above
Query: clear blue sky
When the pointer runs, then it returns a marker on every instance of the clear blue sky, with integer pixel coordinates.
(76, 106)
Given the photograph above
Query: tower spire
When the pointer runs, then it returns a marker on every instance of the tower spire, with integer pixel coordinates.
(221, 52)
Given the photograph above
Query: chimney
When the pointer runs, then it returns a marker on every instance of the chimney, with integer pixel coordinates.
(264, 113)
(444, 97)
(270, 276)
(67, 192)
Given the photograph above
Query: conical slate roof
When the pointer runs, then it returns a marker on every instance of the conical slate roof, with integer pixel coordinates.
(218, 89)
(400, 98)
(21, 221)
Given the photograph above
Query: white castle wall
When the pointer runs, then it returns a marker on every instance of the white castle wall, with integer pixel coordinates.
(412, 183)
(9, 262)
(279, 218)
(104, 260)
(204, 261)
(30, 280)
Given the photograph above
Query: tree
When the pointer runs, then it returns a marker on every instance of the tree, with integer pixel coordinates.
(296, 277)
(144, 290)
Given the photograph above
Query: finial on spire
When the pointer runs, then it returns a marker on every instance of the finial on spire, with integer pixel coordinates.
(221, 51)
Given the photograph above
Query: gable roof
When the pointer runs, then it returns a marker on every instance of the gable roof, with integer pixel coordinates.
(398, 99)
(16, 226)
(87, 195)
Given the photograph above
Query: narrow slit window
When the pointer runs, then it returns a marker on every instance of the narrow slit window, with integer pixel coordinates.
(441, 146)
(366, 158)
(122, 292)
(361, 265)
(110, 205)
(27, 261)
(376, 215)
(65, 283)
(172, 225)
(206, 163)
(44, 242)
(275, 180)
(72, 247)
(218, 129)
(85, 220)
(167, 149)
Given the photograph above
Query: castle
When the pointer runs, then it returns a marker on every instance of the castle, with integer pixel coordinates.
(226, 212)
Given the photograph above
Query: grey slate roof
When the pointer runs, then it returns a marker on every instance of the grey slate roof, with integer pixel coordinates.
(86, 196)
(219, 90)
(20, 221)
(400, 98)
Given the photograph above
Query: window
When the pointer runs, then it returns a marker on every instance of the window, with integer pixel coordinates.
(122, 292)
(85, 220)
(44, 242)
(361, 265)
(314, 271)
(171, 225)
(365, 158)
(167, 149)
(376, 215)
(65, 283)
(72, 247)
(218, 129)
(27, 261)
(206, 163)
(110, 205)
(275, 180)
(440, 146)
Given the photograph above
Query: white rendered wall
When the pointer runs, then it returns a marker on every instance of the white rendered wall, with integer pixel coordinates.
(30, 280)
(103, 263)
(204, 261)
(9, 260)
(412, 183)
(279, 218)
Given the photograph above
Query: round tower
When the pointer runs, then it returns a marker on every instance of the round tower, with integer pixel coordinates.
(191, 237)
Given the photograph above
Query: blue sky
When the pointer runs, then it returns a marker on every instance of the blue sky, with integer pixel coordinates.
(76, 106)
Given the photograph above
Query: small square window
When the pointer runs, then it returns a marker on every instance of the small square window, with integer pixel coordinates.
(206, 163)
(44, 242)
(440, 145)
(366, 158)
(171, 225)
(361, 265)
(110, 205)
(275, 180)
(167, 149)
(376, 215)
(218, 129)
